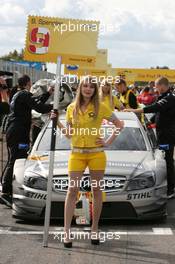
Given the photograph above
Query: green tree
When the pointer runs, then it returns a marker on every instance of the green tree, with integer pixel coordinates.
(13, 55)
(160, 67)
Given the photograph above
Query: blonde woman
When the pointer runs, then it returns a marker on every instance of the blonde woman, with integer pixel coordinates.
(86, 114)
(107, 98)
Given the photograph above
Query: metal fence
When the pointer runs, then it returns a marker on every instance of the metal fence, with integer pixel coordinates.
(19, 70)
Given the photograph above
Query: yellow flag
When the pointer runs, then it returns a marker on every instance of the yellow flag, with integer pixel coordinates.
(75, 40)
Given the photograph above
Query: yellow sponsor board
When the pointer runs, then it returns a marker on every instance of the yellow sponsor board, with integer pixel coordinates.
(83, 72)
(100, 68)
(111, 71)
(144, 75)
(101, 59)
(75, 40)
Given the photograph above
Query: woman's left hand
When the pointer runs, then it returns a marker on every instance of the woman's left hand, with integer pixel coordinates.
(101, 141)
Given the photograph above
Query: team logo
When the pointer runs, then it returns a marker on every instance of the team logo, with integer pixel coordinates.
(91, 114)
(72, 67)
(39, 39)
(89, 60)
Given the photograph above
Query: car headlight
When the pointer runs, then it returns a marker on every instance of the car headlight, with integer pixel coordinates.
(35, 181)
(142, 181)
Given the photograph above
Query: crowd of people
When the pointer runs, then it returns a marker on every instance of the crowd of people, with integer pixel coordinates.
(93, 102)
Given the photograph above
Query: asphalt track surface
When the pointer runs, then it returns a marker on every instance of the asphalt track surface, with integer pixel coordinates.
(136, 242)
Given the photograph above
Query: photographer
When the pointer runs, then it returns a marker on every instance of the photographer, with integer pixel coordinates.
(18, 129)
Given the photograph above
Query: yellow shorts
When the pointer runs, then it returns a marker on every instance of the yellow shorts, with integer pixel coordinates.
(94, 161)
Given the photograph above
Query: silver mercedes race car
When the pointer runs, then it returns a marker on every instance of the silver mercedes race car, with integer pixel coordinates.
(134, 185)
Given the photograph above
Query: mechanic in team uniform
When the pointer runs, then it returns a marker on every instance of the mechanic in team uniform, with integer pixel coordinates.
(127, 97)
(107, 98)
(18, 129)
(164, 118)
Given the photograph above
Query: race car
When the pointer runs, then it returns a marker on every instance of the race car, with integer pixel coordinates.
(134, 185)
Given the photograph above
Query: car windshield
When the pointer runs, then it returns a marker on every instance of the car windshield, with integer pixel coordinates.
(130, 138)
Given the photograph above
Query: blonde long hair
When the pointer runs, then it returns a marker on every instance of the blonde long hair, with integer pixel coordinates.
(111, 98)
(79, 100)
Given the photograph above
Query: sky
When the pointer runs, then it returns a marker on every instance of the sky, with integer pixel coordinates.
(141, 36)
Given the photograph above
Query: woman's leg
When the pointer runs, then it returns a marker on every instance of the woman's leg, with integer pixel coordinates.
(96, 177)
(74, 183)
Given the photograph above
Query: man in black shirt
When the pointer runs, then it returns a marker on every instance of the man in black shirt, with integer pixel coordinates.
(164, 110)
(18, 129)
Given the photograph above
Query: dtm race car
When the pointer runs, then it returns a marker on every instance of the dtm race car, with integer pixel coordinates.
(134, 186)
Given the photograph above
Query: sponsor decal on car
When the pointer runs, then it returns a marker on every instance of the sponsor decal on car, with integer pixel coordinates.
(45, 165)
(127, 165)
(138, 196)
(38, 196)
